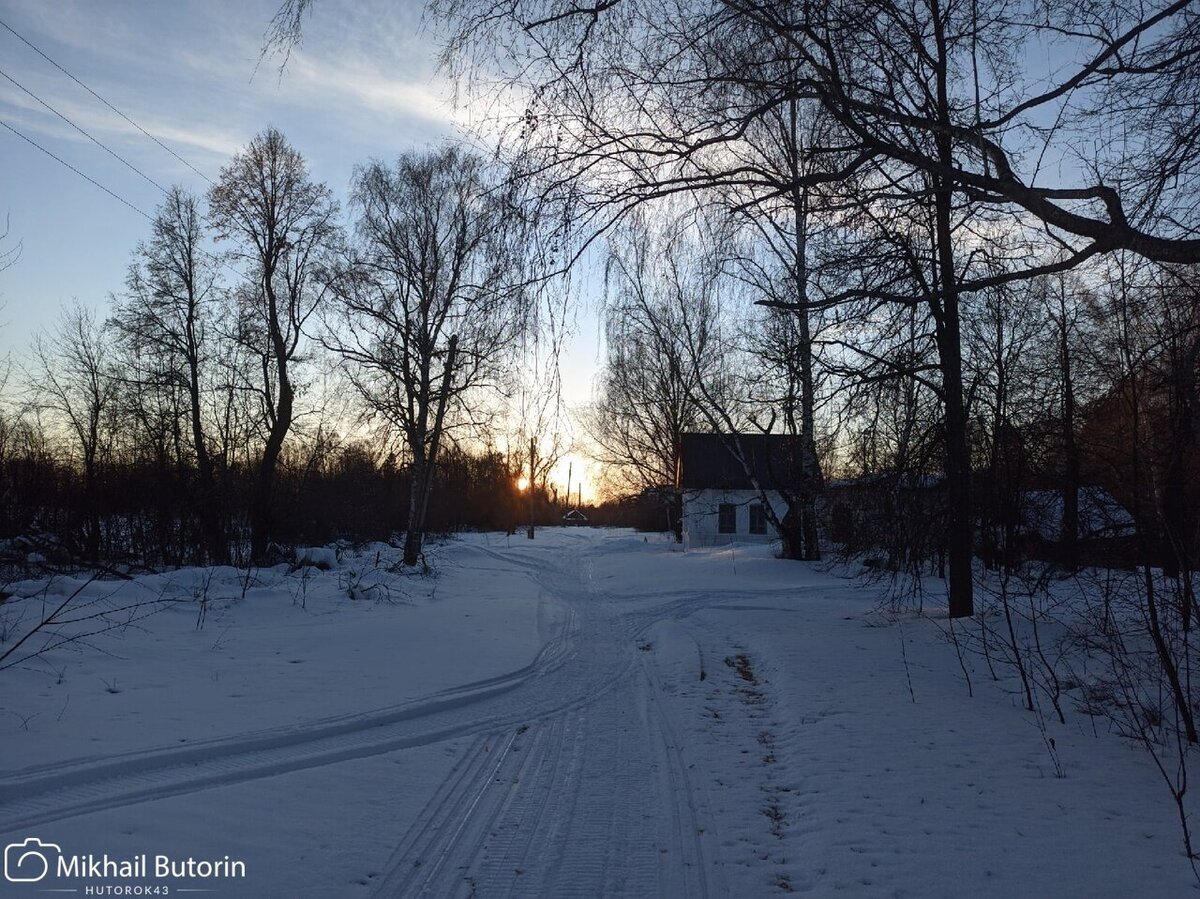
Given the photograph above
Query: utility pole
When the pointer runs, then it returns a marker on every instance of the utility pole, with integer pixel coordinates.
(532, 486)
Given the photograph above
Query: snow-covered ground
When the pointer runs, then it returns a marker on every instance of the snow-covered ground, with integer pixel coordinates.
(588, 714)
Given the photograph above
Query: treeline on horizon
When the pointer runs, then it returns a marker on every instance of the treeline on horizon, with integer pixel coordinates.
(276, 372)
(327, 491)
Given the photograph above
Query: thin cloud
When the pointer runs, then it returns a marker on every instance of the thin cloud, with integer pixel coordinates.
(111, 128)
(366, 87)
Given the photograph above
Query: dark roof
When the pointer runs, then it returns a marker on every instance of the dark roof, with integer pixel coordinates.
(709, 461)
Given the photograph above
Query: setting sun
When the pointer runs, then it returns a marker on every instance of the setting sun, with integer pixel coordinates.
(522, 483)
(575, 471)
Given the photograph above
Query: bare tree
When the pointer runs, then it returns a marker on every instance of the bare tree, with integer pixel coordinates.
(165, 323)
(669, 279)
(646, 395)
(1140, 444)
(640, 409)
(1007, 364)
(776, 217)
(896, 248)
(1063, 313)
(72, 378)
(887, 415)
(433, 301)
(535, 412)
(281, 223)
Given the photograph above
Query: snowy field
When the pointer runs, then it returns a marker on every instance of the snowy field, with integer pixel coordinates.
(593, 713)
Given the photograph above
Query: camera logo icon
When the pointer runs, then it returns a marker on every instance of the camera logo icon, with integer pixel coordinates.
(29, 861)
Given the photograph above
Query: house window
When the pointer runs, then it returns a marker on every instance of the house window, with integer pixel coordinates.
(758, 519)
(726, 518)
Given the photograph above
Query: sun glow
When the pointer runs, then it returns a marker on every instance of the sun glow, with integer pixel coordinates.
(522, 483)
(577, 471)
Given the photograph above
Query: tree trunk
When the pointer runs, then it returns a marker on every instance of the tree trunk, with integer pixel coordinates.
(809, 547)
(91, 493)
(260, 518)
(960, 538)
(423, 470)
(810, 465)
(1070, 488)
(793, 533)
(208, 508)
(415, 533)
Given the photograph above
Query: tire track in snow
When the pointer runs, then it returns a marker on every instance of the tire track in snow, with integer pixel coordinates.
(468, 776)
(582, 814)
(690, 815)
(572, 806)
(45, 794)
(476, 836)
(504, 854)
(540, 820)
(423, 855)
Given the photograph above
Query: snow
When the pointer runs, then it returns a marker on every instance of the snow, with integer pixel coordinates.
(588, 713)
(324, 557)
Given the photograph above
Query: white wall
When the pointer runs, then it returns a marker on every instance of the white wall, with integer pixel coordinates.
(700, 516)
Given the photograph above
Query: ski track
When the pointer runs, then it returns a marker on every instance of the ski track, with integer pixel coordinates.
(570, 810)
(556, 793)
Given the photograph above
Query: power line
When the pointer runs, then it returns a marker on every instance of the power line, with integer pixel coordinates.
(44, 56)
(59, 159)
(29, 140)
(99, 143)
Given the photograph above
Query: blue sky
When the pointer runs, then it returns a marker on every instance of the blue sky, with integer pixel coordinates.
(363, 84)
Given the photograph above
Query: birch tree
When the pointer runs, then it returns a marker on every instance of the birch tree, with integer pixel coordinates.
(432, 301)
(280, 223)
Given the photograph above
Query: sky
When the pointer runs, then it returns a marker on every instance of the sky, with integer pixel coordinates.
(364, 84)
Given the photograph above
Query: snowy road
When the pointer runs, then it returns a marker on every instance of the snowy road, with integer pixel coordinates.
(701, 724)
(572, 782)
(584, 790)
